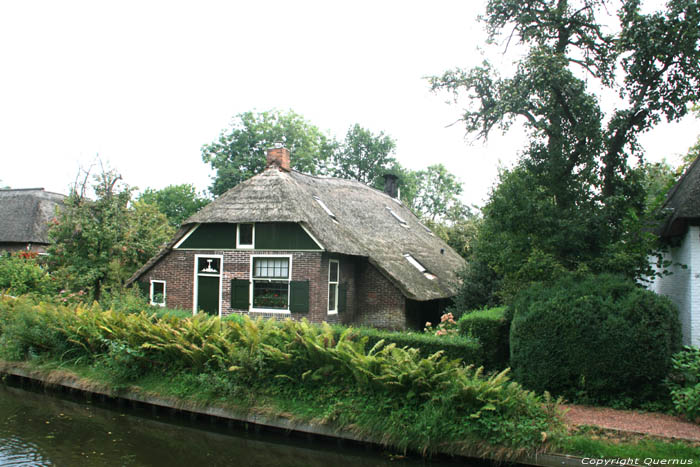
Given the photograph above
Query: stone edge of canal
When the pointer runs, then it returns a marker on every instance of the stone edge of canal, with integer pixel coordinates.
(72, 383)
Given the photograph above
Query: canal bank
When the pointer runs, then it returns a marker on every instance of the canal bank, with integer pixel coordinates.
(65, 381)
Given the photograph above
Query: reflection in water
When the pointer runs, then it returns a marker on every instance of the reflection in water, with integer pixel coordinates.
(41, 430)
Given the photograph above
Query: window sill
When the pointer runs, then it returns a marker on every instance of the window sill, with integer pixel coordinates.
(334, 312)
(270, 310)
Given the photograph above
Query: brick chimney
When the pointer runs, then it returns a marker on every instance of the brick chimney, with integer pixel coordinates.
(391, 185)
(279, 156)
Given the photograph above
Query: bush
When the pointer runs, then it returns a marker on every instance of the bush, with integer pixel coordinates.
(22, 274)
(491, 327)
(593, 338)
(684, 382)
(465, 348)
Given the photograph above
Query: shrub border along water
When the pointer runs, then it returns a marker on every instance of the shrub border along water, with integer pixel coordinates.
(383, 392)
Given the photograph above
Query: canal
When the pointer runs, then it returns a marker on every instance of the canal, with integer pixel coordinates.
(40, 428)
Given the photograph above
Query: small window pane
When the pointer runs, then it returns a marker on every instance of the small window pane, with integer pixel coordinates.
(332, 296)
(245, 234)
(333, 276)
(158, 293)
(209, 265)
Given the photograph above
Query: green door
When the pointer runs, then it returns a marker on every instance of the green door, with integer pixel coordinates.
(208, 295)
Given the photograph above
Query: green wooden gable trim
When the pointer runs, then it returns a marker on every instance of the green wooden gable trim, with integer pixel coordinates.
(212, 236)
(299, 296)
(342, 298)
(240, 294)
(282, 236)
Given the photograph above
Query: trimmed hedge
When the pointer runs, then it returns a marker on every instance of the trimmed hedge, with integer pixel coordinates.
(492, 328)
(593, 338)
(467, 349)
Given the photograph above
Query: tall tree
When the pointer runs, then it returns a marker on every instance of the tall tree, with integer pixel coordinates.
(240, 151)
(98, 243)
(177, 202)
(437, 195)
(363, 156)
(582, 195)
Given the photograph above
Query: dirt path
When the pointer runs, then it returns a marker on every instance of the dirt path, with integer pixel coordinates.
(655, 424)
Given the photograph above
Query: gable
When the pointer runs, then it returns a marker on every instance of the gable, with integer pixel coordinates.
(268, 236)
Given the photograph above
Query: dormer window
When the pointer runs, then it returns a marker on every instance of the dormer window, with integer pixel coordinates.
(414, 262)
(397, 217)
(245, 236)
(325, 208)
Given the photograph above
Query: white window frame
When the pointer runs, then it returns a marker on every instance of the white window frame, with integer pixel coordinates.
(196, 280)
(416, 264)
(334, 311)
(251, 286)
(164, 292)
(244, 246)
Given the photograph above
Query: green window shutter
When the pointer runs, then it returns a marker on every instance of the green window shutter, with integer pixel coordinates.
(299, 296)
(342, 298)
(240, 299)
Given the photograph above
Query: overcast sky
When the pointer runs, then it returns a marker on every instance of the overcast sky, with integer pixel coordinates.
(145, 84)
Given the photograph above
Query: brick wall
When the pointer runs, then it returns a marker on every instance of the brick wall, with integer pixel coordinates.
(371, 299)
(379, 302)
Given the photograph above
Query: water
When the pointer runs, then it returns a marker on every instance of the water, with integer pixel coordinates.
(38, 429)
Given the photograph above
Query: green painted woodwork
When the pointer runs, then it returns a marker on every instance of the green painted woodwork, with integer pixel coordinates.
(299, 296)
(208, 294)
(268, 236)
(342, 298)
(240, 294)
(212, 236)
(282, 236)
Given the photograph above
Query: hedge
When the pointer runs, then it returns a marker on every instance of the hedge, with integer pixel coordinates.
(491, 327)
(593, 338)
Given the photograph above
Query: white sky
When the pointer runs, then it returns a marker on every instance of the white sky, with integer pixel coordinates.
(146, 84)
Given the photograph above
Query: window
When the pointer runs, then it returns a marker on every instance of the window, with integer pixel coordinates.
(245, 237)
(397, 217)
(325, 208)
(333, 278)
(419, 266)
(158, 293)
(270, 283)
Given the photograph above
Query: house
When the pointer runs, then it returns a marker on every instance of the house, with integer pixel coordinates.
(24, 218)
(681, 233)
(286, 244)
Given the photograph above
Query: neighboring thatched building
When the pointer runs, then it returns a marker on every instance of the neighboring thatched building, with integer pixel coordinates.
(24, 218)
(681, 232)
(287, 244)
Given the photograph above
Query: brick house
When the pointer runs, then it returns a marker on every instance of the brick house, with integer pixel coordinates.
(285, 244)
(680, 232)
(24, 218)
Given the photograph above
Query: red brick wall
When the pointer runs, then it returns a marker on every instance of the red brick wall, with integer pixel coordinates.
(379, 302)
(371, 298)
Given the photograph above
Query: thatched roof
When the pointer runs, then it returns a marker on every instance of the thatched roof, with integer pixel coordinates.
(683, 203)
(25, 214)
(364, 227)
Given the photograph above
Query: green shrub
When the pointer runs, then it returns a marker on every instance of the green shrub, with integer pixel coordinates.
(593, 338)
(467, 349)
(491, 327)
(684, 382)
(22, 274)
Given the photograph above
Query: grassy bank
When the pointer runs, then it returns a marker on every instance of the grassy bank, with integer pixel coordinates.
(303, 372)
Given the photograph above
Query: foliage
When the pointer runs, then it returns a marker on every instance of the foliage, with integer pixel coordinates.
(21, 274)
(240, 151)
(100, 243)
(435, 402)
(568, 337)
(459, 232)
(437, 195)
(176, 202)
(684, 382)
(491, 327)
(464, 348)
(573, 195)
(362, 156)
